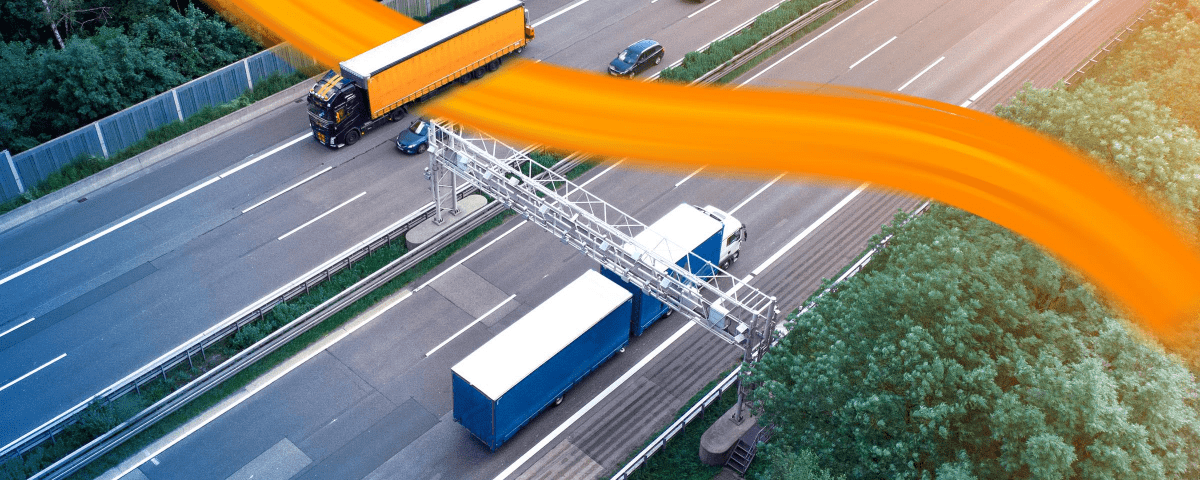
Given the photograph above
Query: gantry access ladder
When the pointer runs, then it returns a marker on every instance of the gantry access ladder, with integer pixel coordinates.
(723, 304)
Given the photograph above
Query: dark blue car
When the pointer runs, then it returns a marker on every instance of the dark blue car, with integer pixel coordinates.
(414, 139)
(636, 58)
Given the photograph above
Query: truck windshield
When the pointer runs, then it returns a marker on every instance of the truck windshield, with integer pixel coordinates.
(316, 110)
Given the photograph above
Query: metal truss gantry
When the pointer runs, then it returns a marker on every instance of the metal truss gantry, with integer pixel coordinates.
(723, 304)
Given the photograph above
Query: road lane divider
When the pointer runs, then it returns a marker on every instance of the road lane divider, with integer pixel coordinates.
(469, 325)
(975, 98)
(108, 230)
(22, 324)
(288, 189)
(677, 184)
(876, 50)
(310, 222)
(148, 211)
(918, 75)
(512, 468)
(38, 369)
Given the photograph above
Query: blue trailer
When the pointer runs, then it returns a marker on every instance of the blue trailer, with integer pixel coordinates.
(501, 386)
(706, 232)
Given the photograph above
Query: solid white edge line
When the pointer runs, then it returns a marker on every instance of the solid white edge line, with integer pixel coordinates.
(288, 189)
(755, 194)
(706, 7)
(598, 175)
(468, 257)
(677, 184)
(560, 12)
(310, 222)
(1033, 50)
(512, 468)
(240, 313)
(147, 212)
(579, 414)
(877, 49)
(809, 230)
(275, 374)
(265, 155)
(38, 369)
(844, 20)
(915, 77)
(22, 324)
(469, 325)
(108, 230)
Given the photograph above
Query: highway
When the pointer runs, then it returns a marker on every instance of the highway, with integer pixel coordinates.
(371, 403)
(95, 290)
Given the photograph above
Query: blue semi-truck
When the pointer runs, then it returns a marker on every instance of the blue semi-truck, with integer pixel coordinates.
(502, 385)
(707, 232)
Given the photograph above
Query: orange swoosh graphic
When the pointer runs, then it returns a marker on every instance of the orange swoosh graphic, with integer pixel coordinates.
(980, 163)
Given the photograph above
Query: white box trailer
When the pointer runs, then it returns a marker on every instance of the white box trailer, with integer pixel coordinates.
(501, 386)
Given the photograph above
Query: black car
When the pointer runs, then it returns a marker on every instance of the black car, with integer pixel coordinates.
(636, 58)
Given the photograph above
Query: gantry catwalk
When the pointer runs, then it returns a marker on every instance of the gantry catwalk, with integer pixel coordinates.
(723, 304)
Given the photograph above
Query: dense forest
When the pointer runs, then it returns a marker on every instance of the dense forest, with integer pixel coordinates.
(964, 351)
(65, 63)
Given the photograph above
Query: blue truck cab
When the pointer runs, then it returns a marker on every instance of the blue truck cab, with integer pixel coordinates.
(706, 232)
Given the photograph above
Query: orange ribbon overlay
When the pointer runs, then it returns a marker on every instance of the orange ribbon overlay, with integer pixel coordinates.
(1006, 173)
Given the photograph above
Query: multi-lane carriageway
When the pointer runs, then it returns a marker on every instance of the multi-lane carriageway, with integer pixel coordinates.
(97, 289)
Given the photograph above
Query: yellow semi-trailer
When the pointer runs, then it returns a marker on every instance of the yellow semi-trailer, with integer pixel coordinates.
(379, 84)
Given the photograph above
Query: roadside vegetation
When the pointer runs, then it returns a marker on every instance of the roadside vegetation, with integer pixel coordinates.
(73, 62)
(696, 64)
(963, 351)
(87, 165)
(99, 418)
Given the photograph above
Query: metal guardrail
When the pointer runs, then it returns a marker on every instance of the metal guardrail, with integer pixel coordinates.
(1103, 52)
(698, 408)
(752, 52)
(172, 402)
(691, 414)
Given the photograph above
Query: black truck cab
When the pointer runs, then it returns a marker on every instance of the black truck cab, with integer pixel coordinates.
(337, 111)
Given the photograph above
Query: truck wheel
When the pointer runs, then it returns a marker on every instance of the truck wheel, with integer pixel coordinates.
(558, 401)
(397, 114)
(477, 73)
(669, 312)
(734, 257)
(352, 137)
(493, 65)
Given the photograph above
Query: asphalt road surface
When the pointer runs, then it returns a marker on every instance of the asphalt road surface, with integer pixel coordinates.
(373, 404)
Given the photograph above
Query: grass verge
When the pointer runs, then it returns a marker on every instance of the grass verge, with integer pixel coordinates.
(679, 459)
(84, 166)
(696, 64)
(100, 418)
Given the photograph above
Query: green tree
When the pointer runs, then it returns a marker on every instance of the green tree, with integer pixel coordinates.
(18, 81)
(787, 464)
(195, 43)
(94, 77)
(1127, 131)
(963, 350)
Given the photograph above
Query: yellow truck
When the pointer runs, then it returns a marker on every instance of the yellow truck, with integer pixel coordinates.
(379, 85)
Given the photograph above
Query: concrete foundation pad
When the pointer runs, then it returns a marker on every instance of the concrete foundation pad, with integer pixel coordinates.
(719, 439)
(427, 229)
